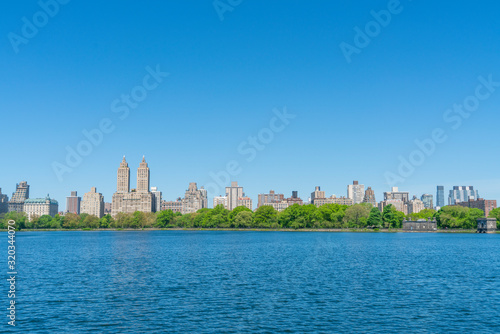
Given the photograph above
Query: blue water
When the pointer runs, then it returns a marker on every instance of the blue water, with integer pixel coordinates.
(264, 282)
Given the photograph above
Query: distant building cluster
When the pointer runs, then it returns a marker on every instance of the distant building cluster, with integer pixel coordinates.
(149, 199)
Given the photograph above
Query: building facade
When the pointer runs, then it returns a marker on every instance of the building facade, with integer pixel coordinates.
(175, 206)
(126, 200)
(427, 199)
(220, 200)
(317, 194)
(93, 203)
(440, 197)
(38, 207)
(486, 225)
(295, 199)
(415, 206)
(73, 203)
(462, 194)
(156, 199)
(233, 194)
(397, 195)
(4, 202)
(370, 197)
(194, 199)
(420, 225)
(16, 203)
(333, 200)
(481, 203)
(356, 192)
(270, 198)
(398, 204)
(245, 201)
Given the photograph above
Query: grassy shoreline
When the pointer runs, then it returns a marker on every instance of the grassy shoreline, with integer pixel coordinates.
(352, 230)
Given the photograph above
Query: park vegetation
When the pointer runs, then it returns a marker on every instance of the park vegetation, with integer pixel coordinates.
(328, 216)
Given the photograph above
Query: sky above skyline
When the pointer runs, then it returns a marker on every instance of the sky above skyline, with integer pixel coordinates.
(283, 96)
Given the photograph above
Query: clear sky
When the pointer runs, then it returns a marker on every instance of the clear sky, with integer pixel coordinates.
(353, 120)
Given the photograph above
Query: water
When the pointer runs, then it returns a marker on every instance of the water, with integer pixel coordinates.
(264, 282)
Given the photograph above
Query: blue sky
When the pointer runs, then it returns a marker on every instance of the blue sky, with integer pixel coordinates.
(352, 120)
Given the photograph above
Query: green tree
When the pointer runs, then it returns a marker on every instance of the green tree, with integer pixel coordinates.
(375, 218)
(265, 217)
(357, 215)
(495, 213)
(106, 221)
(235, 211)
(243, 219)
(164, 218)
(390, 216)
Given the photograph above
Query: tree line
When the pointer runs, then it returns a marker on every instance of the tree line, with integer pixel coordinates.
(328, 216)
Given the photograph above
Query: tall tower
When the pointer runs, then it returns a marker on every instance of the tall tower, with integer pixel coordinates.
(123, 180)
(143, 177)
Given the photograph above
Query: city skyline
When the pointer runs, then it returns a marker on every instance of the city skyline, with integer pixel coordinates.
(126, 187)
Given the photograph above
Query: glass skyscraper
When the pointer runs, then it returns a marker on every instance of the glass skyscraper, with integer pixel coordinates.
(440, 196)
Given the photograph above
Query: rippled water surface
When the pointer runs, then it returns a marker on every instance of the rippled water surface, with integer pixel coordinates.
(291, 282)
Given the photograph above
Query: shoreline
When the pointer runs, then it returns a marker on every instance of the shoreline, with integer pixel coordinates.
(333, 230)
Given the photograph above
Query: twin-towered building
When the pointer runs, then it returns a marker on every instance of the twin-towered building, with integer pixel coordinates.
(128, 200)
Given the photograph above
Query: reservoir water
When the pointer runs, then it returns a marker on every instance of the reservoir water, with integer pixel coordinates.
(259, 282)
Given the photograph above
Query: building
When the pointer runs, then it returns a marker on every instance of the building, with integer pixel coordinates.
(16, 203)
(415, 206)
(420, 225)
(194, 199)
(245, 201)
(38, 207)
(427, 199)
(73, 203)
(486, 225)
(462, 194)
(317, 194)
(397, 195)
(482, 204)
(107, 208)
(356, 192)
(439, 197)
(220, 200)
(156, 199)
(233, 194)
(175, 206)
(295, 199)
(333, 200)
(93, 203)
(4, 202)
(126, 200)
(398, 204)
(270, 198)
(370, 197)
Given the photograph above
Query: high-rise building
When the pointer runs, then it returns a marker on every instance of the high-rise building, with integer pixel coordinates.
(245, 201)
(233, 194)
(462, 194)
(220, 200)
(370, 197)
(16, 203)
(107, 208)
(4, 202)
(295, 199)
(73, 203)
(415, 205)
(356, 192)
(156, 199)
(38, 207)
(175, 206)
(427, 199)
(316, 194)
(194, 199)
(129, 201)
(333, 200)
(440, 197)
(396, 194)
(270, 198)
(93, 203)
(398, 204)
(480, 203)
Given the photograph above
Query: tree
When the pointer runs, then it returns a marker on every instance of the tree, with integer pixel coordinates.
(375, 218)
(390, 216)
(243, 219)
(357, 215)
(91, 221)
(234, 213)
(164, 218)
(106, 221)
(265, 216)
